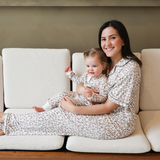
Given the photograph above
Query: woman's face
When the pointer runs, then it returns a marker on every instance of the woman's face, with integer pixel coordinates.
(111, 43)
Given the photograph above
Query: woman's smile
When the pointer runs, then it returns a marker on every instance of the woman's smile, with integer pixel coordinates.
(109, 49)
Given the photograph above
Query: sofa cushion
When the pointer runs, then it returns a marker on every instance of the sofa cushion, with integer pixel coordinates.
(31, 76)
(150, 121)
(31, 142)
(150, 84)
(1, 87)
(135, 143)
(19, 111)
(79, 67)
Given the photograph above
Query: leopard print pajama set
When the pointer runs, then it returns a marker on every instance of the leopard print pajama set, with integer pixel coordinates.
(123, 82)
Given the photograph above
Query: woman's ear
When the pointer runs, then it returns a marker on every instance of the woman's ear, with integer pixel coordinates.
(104, 66)
(123, 43)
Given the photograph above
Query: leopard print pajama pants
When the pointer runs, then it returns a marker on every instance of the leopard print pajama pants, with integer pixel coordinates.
(60, 122)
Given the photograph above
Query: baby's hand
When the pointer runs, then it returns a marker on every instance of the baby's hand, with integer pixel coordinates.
(38, 109)
(88, 91)
(67, 69)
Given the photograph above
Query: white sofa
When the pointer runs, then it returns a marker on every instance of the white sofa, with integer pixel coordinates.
(29, 76)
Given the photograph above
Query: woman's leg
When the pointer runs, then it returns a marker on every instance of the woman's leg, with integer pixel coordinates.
(61, 122)
(2, 115)
(1, 132)
(54, 122)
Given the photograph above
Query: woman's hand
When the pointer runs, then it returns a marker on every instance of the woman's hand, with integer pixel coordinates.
(68, 105)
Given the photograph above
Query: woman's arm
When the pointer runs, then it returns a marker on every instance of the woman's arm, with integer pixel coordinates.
(105, 108)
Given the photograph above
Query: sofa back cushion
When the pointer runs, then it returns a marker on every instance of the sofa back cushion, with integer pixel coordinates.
(1, 87)
(78, 65)
(150, 84)
(31, 76)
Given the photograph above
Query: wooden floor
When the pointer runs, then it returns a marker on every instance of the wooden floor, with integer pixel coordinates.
(23, 155)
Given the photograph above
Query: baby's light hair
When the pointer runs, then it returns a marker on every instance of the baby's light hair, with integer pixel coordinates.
(101, 55)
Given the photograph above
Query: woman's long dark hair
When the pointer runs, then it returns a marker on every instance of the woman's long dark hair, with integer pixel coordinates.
(126, 49)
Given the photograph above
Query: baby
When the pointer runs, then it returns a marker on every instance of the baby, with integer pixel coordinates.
(94, 79)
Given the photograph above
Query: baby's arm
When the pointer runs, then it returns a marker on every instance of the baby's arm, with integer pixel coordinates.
(76, 79)
(67, 69)
(98, 97)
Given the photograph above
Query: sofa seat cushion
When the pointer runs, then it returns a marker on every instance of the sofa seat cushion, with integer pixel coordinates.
(135, 143)
(30, 142)
(19, 111)
(150, 121)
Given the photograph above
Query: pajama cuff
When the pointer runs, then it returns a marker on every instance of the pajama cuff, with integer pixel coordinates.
(91, 98)
(47, 106)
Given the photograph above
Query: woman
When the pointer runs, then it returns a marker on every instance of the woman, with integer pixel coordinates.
(124, 77)
(112, 120)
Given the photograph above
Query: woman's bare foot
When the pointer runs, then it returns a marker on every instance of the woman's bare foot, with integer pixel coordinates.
(2, 117)
(1, 132)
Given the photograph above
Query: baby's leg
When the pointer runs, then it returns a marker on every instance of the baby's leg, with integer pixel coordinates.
(38, 109)
(78, 99)
(55, 100)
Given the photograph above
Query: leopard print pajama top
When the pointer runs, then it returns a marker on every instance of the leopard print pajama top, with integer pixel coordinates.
(123, 82)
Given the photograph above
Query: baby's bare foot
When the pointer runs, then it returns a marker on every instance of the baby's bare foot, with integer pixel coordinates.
(38, 109)
(2, 117)
(1, 132)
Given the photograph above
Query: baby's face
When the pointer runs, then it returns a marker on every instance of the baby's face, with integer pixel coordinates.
(93, 66)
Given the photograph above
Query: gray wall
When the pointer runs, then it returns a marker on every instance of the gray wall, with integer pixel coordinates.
(75, 28)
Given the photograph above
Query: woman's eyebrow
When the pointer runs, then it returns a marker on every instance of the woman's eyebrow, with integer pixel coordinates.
(110, 35)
